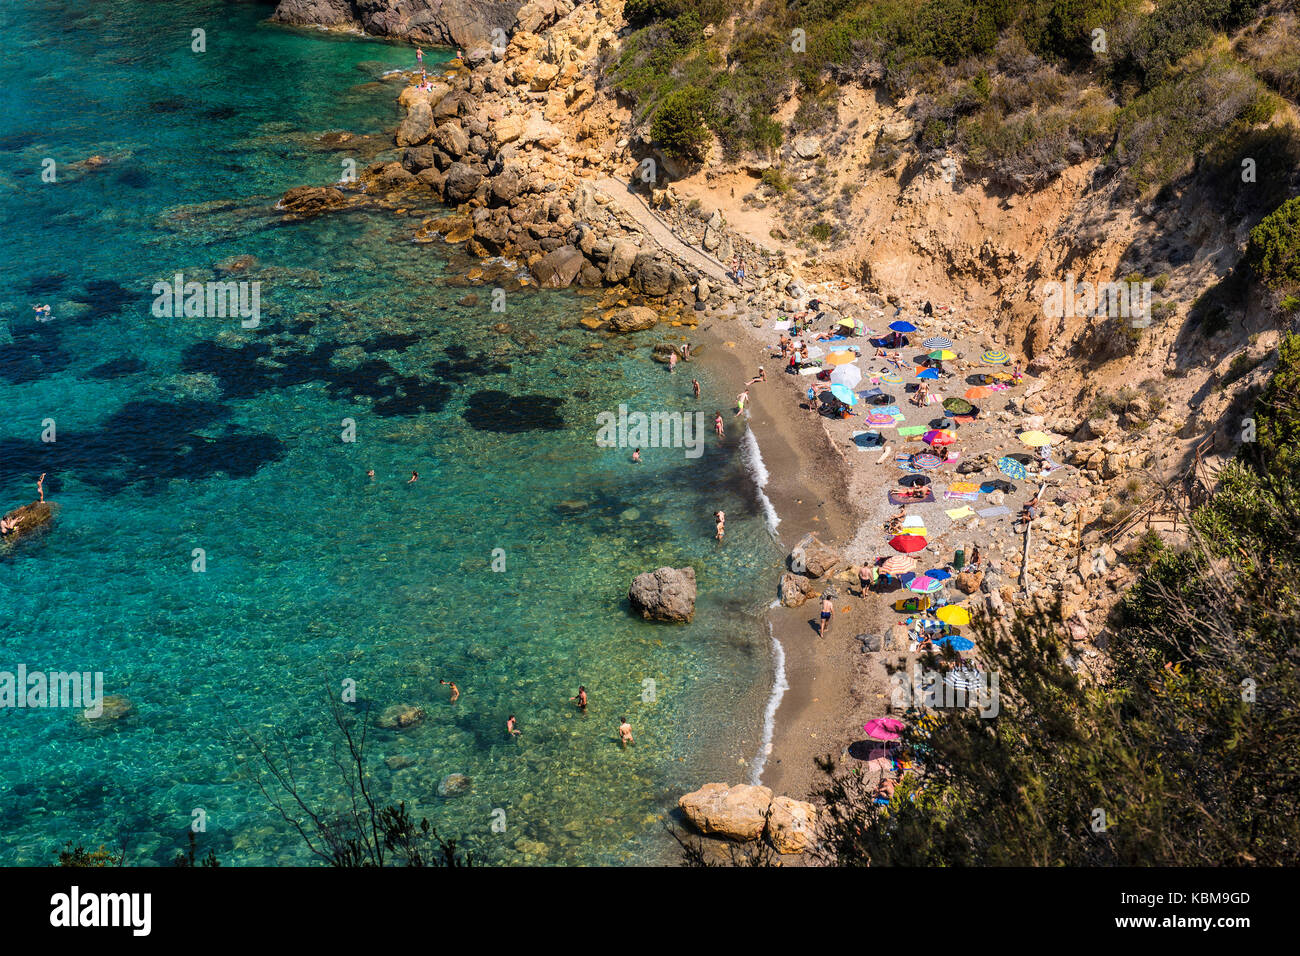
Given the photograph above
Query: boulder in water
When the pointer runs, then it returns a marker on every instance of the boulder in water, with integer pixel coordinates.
(454, 785)
(399, 716)
(27, 519)
(665, 594)
(737, 813)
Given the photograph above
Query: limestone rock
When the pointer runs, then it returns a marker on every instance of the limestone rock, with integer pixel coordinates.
(665, 594)
(399, 716)
(418, 125)
(635, 318)
(814, 558)
(737, 813)
(558, 269)
(791, 825)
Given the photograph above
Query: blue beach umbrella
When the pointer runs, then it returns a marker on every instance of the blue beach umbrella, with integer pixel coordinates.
(929, 374)
(844, 394)
(901, 326)
(956, 642)
(1011, 468)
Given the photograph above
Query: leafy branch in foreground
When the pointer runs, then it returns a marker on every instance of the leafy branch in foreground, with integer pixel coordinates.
(366, 832)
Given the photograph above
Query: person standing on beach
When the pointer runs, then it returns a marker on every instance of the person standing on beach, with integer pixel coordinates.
(625, 734)
(828, 608)
(455, 691)
(741, 399)
(581, 699)
(868, 574)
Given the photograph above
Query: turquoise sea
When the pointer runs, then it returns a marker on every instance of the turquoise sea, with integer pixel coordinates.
(177, 434)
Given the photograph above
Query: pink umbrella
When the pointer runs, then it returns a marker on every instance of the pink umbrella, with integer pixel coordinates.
(887, 729)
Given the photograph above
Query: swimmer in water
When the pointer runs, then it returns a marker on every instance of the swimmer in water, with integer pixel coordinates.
(636, 457)
(511, 729)
(581, 699)
(741, 399)
(455, 691)
(415, 476)
(625, 734)
(717, 423)
(371, 474)
(695, 386)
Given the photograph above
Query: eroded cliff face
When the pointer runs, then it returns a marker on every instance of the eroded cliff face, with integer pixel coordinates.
(459, 23)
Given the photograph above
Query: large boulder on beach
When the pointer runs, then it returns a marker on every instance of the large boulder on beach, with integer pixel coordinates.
(651, 275)
(664, 594)
(737, 813)
(461, 182)
(622, 256)
(791, 825)
(794, 589)
(635, 318)
(558, 269)
(418, 125)
(811, 556)
(452, 139)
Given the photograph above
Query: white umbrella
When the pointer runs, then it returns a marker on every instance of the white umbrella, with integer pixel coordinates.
(847, 375)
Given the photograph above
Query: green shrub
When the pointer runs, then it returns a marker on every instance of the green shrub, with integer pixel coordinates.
(821, 231)
(678, 126)
(1273, 251)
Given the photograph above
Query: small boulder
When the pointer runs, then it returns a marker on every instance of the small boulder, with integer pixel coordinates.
(791, 825)
(454, 785)
(814, 558)
(665, 594)
(399, 716)
(635, 318)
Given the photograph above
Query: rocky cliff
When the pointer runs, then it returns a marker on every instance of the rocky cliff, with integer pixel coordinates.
(460, 23)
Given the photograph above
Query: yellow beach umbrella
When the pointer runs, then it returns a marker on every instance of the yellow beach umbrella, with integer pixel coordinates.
(943, 355)
(841, 358)
(953, 614)
(1035, 439)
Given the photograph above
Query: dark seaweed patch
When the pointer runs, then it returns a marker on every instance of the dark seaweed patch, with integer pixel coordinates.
(117, 368)
(494, 411)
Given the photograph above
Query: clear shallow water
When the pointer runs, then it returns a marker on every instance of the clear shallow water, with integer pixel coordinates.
(177, 434)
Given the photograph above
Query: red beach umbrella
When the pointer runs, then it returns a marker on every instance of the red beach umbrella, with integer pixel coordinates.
(907, 543)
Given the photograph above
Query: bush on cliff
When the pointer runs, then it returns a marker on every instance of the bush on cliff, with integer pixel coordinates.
(1273, 251)
(678, 127)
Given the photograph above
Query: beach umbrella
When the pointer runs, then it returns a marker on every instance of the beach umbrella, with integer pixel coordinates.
(958, 406)
(914, 481)
(953, 614)
(842, 357)
(995, 357)
(844, 394)
(848, 375)
(937, 342)
(1035, 439)
(891, 377)
(943, 355)
(847, 323)
(907, 543)
(902, 326)
(928, 374)
(1011, 468)
(898, 564)
(918, 530)
(888, 729)
(913, 521)
(955, 642)
(926, 461)
(880, 418)
(924, 585)
(938, 437)
(964, 678)
(979, 391)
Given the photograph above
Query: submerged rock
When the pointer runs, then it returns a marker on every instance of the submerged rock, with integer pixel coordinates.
(454, 785)
(397, 716)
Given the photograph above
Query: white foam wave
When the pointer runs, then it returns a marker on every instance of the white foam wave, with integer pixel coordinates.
(753, 459)
(779, 686)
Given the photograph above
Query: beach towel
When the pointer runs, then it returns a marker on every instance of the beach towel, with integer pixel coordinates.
(961, 495)
(908, 430)
(956, 514)
(782, 326)
(994, 512)
(810, 370)
(962, 419)
(815, 351)
(896, 499)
